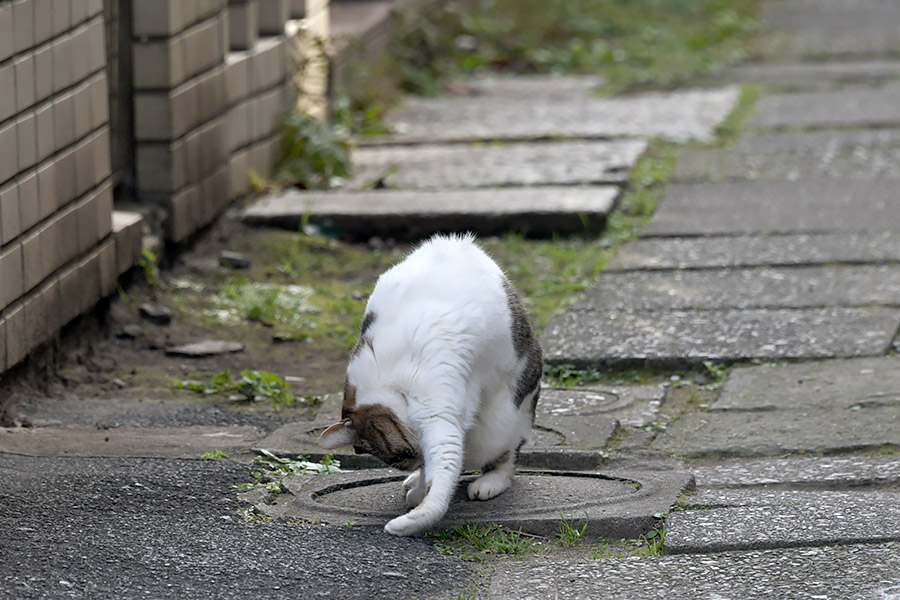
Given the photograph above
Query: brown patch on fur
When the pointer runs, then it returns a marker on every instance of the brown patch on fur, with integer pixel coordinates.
(349, 399)
(525, 345)
(381, 434)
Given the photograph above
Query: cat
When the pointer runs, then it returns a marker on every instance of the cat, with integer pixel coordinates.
(445, 378)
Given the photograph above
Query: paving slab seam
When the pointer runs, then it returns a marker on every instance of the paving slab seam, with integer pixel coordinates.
(726, 547)
(375, 142)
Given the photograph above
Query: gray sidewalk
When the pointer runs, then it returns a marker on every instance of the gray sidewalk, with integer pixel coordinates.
(776, 254)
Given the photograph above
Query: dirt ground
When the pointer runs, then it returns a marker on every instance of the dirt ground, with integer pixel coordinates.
(110, 368)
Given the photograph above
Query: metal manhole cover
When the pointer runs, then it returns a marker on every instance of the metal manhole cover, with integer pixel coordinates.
(614, 504)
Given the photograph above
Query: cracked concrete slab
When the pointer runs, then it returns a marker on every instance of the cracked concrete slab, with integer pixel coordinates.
(757, 519)
(778, 432)
(478, 165)
(756, 251)
(542, 112)
(824, 472)
(796, 287)
(849, 384)
(861, 154)
(770, 207)
(163, 442)
(876, 107)
(407, 214)
(865, 571)
(615, 505)
(686, 337)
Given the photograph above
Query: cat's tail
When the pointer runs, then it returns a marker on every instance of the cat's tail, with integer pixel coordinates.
(441, 445)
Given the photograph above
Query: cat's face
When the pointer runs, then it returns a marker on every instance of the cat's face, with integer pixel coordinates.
(373, 429)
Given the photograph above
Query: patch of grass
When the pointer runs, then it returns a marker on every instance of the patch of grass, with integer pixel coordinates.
(249, 386)
(213, 455)
(569, 534)
(634, 44)
(475, 542)
(730, 128)
(649, 544)
(568, 375)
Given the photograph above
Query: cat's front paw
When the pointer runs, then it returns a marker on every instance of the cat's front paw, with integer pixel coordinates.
(403, 525)
(489, 485)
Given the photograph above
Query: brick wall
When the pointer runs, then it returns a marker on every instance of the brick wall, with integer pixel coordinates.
(208, 82)
(211, 84)
(58, 250)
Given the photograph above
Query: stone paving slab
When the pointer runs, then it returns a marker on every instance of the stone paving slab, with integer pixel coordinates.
(864, 154)
(162, 442)
(408, 214)
(675, 338)
(830, 29)
(777, 432)
(821, 472)
(795, 287)
(876, 107)
(478, 165)
(615, 505)
(814, 206)
(859, 571)
(849, 384)
(811, 75)
(541, 112)
(757, 519)
(755, 251)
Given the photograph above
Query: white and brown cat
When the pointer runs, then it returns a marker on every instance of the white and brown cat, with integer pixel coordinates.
(445, 378)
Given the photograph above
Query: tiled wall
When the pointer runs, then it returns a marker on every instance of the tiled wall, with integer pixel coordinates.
(57, 249)
(211, 83)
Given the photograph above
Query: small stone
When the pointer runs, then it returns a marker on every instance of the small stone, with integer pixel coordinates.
(359, 296)
(234, 260)
(130, 331)
(118, 382)
(155, 313)
(205, 348)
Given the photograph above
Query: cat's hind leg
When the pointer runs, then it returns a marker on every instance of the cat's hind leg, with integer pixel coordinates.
(414, 486)
(495, 478)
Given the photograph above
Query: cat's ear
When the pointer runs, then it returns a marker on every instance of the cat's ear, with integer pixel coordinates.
(339, 434)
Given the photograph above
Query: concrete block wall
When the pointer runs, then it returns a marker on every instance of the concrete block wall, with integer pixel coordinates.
(212, 81)
(57, 246)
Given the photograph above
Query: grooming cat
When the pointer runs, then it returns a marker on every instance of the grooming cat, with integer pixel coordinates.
(445, 378)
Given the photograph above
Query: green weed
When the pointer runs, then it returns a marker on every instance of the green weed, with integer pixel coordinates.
(314, 155)
(149, 265)
(249, 386)
(273, 469)
(649, 544)
(213, 455)
(569, 534)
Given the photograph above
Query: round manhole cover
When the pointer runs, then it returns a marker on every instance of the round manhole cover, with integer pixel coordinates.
(531, 492)
(578, 402)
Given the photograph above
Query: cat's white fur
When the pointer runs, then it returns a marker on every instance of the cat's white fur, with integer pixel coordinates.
(442, 357)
